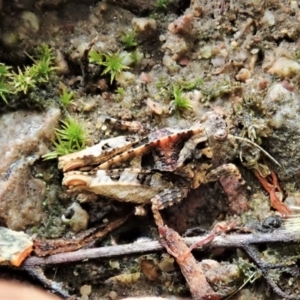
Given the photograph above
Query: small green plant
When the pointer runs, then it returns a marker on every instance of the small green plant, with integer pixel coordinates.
(43, 70)
(250, 272)
(161, 83)
(40, 71)
(70, 138)
(24, 80)
(5, 87)
(154, 16)
(113, 62)
(128, 39)
(44, 52)
(120, 91)
(216, 90)
(179, 101)
(43, 67)
(190, 85)
(66, 97)
(162, 4)
(4, 90)
(136, 56)
(4, 70)
(95, 57)
(27, 78)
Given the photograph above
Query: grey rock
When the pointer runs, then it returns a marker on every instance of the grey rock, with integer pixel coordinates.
(24, 137)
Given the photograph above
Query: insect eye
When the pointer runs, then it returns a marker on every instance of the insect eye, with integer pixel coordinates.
(105, 146)
(221, 135)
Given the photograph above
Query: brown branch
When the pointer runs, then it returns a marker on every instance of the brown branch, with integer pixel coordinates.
(44, 247)
(253, 254)
(190, 269)
(228, 241)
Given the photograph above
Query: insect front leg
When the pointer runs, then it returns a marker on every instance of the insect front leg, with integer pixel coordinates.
(166, 198)
(226, 170)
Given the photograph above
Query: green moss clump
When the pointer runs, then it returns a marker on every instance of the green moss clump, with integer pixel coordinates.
(162, 4)
(24, 80)
(70, 138)
(66, 97)
(179, 101)
(128, 39)
(5, 87)
(112, 62)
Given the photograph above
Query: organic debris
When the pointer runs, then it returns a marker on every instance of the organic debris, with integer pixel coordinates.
(15, 247)
(169, 96)
(271, 185)
(50, 247)
(177, 247)
(191, 270)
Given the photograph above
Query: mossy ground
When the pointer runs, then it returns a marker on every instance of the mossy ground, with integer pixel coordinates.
(230, 38)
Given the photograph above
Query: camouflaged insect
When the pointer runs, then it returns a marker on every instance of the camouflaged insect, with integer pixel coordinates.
(159, 169)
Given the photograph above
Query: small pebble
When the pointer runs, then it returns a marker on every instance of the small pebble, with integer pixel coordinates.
(113, 295)
(243, 75)
(85, 290)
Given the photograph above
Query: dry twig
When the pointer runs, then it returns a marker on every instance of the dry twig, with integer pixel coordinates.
(43, 247)
(190, 269)
(228, 241)
(244, 241)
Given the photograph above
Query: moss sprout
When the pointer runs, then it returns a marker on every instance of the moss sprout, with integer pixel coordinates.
(179, 102)
(250, 272)
(43, 67)
(66, 97)
(4, 71)
(162, 4)
(216, 90)
(44, 52)
(128, 39)
(5, 86)
(136, 57)
(25, 80)
(190, 85)
(112, 63)
(70, 138)
(162, 83)
(95, 57)
(43, 70)
(4, 90)
(120, 91)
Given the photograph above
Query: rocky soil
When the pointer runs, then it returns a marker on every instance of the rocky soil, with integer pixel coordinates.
(238, 58)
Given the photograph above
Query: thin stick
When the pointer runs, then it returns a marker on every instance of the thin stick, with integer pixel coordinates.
(257, 146)
(264, 268)
(228, 241)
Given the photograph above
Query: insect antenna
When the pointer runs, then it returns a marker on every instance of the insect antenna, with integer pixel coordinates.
(257, 146)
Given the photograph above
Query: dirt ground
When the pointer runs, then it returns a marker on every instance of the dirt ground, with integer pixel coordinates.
(237, 59)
